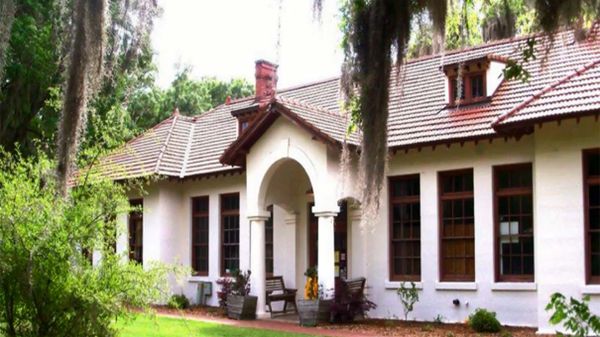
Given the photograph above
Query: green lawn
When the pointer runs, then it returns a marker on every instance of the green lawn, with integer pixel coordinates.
(144, 326)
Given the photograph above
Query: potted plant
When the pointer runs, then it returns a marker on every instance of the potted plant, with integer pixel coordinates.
(240, 305)
(313, 309)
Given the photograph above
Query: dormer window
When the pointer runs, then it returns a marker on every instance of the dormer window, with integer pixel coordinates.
(245, 116)
(473, 88)
(480, 77)
(244, 123)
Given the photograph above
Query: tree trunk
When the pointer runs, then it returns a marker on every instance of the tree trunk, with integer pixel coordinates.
(8, 9)
(82, 74)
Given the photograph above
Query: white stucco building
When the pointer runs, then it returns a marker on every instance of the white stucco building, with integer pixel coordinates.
(492, 199)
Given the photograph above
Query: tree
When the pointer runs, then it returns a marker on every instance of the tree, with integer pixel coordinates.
(373, 30)
(48, 284)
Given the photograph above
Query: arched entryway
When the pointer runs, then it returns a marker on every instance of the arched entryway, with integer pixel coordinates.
(285, 191)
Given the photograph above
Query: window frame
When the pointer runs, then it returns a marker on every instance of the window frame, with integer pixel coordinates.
(516, 191)
(469, 99)
(587, 182)
(454, 196)
(222, 214)
(400, 200)
(130, 218)
(267, 243)
(195, 215)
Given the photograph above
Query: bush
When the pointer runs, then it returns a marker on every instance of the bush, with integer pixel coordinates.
(178, 302)
(48, 285)
(484, 321)
(408, 296)
(226, 285)
(574, 315)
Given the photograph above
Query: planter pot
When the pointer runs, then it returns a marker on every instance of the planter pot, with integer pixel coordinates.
(241, 307)
(312, 312)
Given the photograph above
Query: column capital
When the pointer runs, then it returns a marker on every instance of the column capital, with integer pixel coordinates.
(325, 212)
(259, 216)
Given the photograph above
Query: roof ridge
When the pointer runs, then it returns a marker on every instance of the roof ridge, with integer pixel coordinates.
(545, 90)
(308, 84)
(188, 148)
(304, 104)
(165, 144)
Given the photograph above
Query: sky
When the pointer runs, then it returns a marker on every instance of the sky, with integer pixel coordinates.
(223, 38)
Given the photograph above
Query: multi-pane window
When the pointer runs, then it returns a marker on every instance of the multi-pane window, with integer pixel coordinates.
(230, 233)
(200, 231)
(457, 226)
(405, 228)
(477, 86)
(269, 244)
(591, 182)
(472, 88)
(514, 222)
(136, 231)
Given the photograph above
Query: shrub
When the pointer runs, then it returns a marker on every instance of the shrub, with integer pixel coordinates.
(505, 333)
(408, 296)
(178, 302)
(241, 283)
(348, 305)
(484, 321)
(574, 315)
(439, 319)
(48, 285)
(226, 285)
(427, 328)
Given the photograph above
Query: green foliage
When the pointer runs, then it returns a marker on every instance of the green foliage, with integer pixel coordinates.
(505, 333)
(439, 319)
(574, 315)
(408, 296)
(178, 301)
(484, 321)
(48, 286)
(241, 283)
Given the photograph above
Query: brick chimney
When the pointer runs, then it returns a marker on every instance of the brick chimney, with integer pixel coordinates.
(266, 80)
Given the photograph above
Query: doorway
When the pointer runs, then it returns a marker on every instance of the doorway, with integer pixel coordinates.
(340, 244)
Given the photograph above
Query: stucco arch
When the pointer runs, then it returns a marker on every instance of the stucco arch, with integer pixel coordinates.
(282, 153)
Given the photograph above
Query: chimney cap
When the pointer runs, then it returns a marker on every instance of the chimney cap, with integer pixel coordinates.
(263, 61)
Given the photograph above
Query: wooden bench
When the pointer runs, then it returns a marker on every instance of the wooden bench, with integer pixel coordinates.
(277, 292)
(349, 298)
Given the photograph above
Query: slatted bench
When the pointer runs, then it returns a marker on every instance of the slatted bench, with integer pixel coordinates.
(277, 292)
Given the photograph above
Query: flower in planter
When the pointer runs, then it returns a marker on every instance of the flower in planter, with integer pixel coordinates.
(311, 288)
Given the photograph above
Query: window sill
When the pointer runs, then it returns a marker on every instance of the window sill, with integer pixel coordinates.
(396, 284)
(591, 289)
(197, 279)
(514, 286)
(470, 286)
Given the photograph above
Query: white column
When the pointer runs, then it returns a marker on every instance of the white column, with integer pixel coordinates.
(257, 260)
(325, 259)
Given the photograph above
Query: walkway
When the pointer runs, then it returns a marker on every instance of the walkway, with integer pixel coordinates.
(272, 324)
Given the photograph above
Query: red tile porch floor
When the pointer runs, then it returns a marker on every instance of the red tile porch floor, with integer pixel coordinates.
(287, 323)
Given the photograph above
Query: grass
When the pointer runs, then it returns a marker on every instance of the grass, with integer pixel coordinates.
(174, 327)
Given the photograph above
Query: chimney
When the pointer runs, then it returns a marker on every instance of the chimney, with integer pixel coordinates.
(266, 80)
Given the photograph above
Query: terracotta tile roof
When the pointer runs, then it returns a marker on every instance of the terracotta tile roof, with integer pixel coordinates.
(189, 146)
(576, 92)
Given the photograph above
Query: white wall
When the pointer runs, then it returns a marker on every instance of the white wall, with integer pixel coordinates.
(559, 211)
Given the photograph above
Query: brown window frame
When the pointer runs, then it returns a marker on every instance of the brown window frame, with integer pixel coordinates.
(469, 99)
(587, 182)
(249, 118)
(269, 243)
(197, 215)
(453, 196)
(133, 216)
(510, 192)
(223, 214)
(403, 200)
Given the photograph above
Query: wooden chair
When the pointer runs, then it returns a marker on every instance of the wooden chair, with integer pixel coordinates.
(349, 298)
(277, 292)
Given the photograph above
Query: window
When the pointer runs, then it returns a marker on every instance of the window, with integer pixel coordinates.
(477, 86)
(200, 231)
(230, 233)
(136, 231)
(457, 226)
(513, 216)
(473, 88)
(405, 228)
(244, 122)
(269, 244)
(591, 183)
